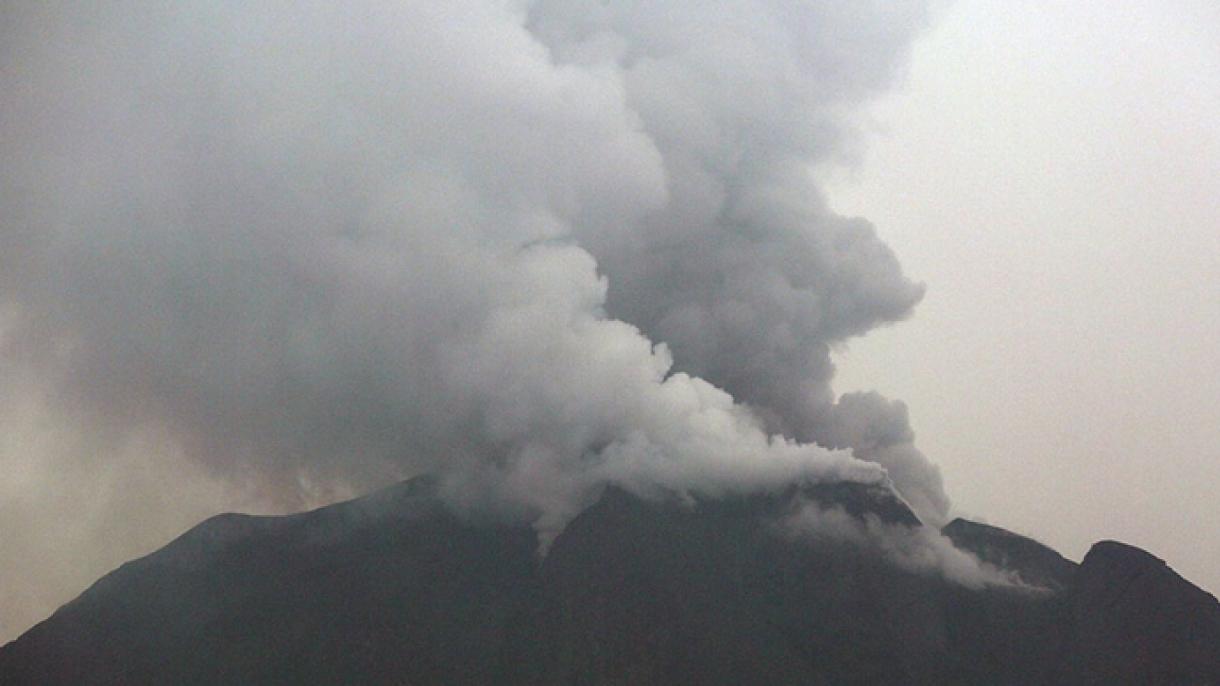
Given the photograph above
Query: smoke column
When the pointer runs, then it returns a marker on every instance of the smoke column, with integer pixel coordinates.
(744, 272)
(538, 247)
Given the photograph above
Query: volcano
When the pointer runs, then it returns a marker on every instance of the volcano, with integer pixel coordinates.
(394, 588)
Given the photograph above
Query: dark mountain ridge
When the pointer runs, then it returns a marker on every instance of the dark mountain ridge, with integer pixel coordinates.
(394, 588)
(1035, 563)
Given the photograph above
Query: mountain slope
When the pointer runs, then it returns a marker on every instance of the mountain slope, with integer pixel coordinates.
(1137, 622)
(1035, 563)
(393, 589)
(331, 596)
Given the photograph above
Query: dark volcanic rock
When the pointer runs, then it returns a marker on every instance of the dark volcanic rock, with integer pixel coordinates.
(1137, 622)
(859, 500)
(394, 589)
(647, 593)
(1035, 563)
(384, 589)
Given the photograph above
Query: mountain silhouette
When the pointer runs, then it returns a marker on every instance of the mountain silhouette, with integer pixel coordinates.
(394, 588)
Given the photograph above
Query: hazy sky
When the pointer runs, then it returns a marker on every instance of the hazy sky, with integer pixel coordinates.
(1051, 171)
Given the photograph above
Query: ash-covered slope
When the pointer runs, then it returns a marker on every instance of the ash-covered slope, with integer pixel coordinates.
(1034, 562)
(393, 588)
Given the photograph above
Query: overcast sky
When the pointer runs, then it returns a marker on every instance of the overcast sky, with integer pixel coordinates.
(1051, 171)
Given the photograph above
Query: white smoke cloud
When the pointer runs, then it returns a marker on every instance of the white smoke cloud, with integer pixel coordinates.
(921, 549)
(537, 246)
(745, 273)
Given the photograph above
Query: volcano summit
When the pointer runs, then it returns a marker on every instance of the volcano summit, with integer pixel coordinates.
(394, 589)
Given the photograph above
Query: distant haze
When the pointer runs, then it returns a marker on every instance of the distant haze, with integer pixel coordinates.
(1052, 172)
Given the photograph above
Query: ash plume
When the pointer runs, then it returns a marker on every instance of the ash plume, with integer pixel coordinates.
(744, 272)
(538, 247)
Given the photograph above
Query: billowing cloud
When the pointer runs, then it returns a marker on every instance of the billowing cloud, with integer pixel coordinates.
(744, 272)
(536, 246)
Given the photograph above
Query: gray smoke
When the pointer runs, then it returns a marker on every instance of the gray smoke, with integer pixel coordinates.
(745, 273)
(536, 246)
(922, 550)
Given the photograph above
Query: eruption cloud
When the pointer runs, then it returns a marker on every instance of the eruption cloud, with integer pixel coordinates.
(537, 247)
